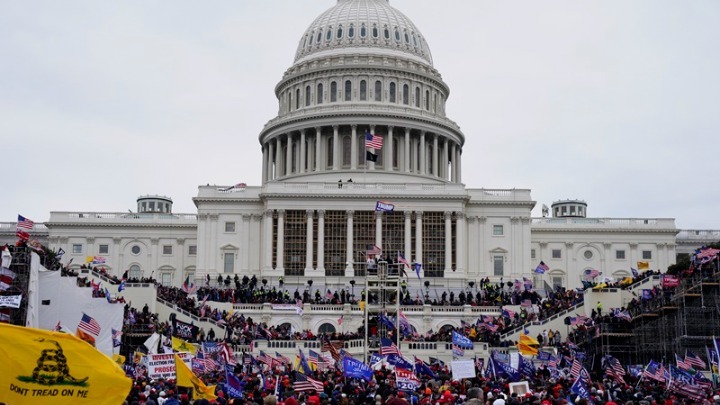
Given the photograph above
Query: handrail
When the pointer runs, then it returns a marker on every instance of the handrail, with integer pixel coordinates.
(544, 321)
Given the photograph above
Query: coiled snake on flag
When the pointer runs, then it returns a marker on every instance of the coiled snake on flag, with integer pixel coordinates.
(52, 367)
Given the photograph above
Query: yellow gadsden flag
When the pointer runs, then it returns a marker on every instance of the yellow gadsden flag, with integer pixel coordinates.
(643, 265)
(186, 378)
(180, 345)
(44, 367)
(528, 345)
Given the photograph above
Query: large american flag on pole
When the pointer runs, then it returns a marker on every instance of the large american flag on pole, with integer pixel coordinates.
(24, 223)
(304, 383)
(89, 324)
(373, 141)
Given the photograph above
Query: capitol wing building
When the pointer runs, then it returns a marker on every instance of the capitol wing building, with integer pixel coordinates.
(362, 157)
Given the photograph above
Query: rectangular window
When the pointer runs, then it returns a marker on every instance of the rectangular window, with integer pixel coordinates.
(77, 248)
(229, 226)
(532, 253)
(647, 255)
(498, 263)
(620, 254)
(229, 263)
(167, 249)
(498, 230)
(103, 249)
(151, 206)
(166, 279)
(556, 282)
(192, 250)
(557, 254)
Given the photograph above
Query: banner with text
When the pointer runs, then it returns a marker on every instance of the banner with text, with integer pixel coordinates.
(163, 365)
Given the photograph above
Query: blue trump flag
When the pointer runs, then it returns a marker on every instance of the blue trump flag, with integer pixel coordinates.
(374, 358)
(233, 386)
(398, 361)
(580, 388)
(356, 369)
(462, 341)
(423, 369)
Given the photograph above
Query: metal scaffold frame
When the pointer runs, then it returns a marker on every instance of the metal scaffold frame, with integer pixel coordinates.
(382, 295)
(20, 265)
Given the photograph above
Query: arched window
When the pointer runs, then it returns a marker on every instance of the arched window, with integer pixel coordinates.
(328, 34)
(414, 41)
(406, 94)
(427, 100)
(351, 31)
(135, 272)
(319, 94)
(288, 97)
(309, 40)
(326, 328)
(363, 31)
(333, 92)
(407, 38)
(308, 96)
(392, 92)
(319, 36)
(346, 151)
(397, 35)
(348, 90)
(386, 33)
(363, 90)
(417, 97)
(339, 34)
(297, 99)
(378, 90)
(375, 31)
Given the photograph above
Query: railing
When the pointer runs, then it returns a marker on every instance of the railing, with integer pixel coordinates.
(11, 226)
(189, 314)
(118, 216)
(698, 234)
(614, 222)
(542, 322)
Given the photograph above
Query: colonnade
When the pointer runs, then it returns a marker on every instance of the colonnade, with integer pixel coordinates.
(325, 148)
(410, 252)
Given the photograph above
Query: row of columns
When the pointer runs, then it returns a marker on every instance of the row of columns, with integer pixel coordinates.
(280, 242)
(417, 152)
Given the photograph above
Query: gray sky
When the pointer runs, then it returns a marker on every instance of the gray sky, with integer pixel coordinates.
(613, 102)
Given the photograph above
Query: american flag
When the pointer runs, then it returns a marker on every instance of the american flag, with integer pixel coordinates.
(304, 383)
(654, 371)
(578, 371)
(373, 141)
(264, 358)
(89, 324)
(694, 360)
(591, 274)
(694, 392)
(373, 250)
(340, 320)
(24, 223)
(227, 354)
(282, 359)
(682, 364)
(387, 346)
(614, 369)
(332, 347)
(402, 260)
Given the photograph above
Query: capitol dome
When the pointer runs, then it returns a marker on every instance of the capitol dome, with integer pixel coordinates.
(362, 26)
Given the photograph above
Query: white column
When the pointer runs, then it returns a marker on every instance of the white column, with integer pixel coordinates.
(281, 241)
(448, 243)
(350, 268)
(309, 242)
(271, 158)
(278, 158)
(268, 245)
(458, 151)
(336, 148)
(288, 155)
(460, 242)
(318, 146)
(444, 160)
(435, 171)
(245, 248)
(378, 228)
(453, 177)
(408, 231)
(301, 169)
(264, 163)
(353, 148)
(418, 237)
(407, 153)
(321, 241)
(390, 151)
(423, 154)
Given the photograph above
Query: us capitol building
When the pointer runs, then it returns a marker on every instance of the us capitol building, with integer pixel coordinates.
(363, 67)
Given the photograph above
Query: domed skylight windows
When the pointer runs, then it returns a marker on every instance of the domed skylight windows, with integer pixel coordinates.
(351, 31)
(386, 33)
(319, 36)
(328, 35)
(407, 38)
(375, 32)
(339, 34)
(397, 35)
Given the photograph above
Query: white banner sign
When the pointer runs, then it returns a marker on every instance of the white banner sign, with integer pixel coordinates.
(463, 369)
(163, 365)
(10, 301)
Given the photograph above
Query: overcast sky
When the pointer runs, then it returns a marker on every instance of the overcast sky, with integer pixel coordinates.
(613, 102)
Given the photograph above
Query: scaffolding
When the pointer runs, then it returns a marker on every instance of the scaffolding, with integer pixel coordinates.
(382, 292)
(20, 267)
(672, 323)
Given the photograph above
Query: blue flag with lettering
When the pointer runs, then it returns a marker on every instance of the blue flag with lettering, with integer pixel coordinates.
(356, 369)
(398, 361)
(462, 341)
